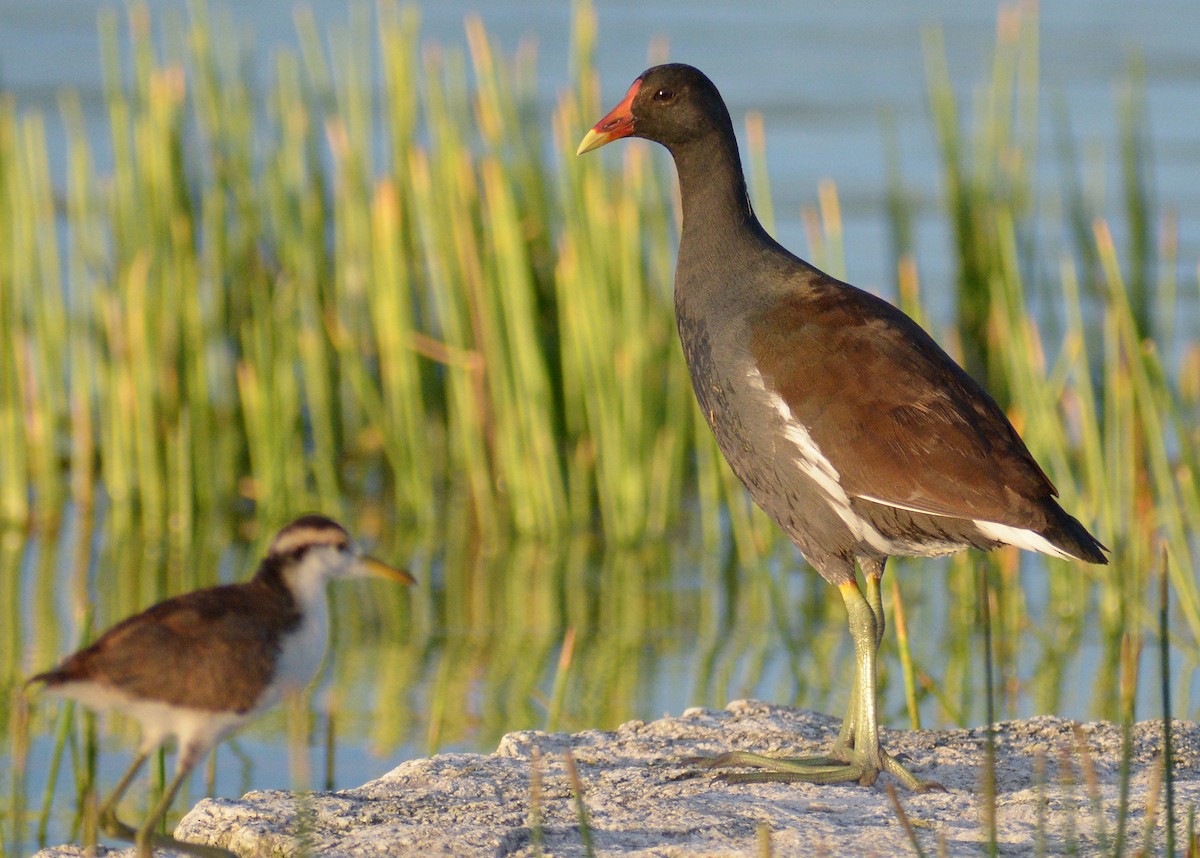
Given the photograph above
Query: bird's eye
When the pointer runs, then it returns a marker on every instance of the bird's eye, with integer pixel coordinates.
(664, 94)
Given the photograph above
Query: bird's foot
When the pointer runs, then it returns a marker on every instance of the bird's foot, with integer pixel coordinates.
(907, 779)
(114, 827)
(817, 770)
(147, 842)
(847, 767)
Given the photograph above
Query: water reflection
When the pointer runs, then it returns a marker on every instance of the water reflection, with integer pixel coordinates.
(477, 648)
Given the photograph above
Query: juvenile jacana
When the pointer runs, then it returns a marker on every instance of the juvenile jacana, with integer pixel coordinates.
(201, 665)
(847, 423)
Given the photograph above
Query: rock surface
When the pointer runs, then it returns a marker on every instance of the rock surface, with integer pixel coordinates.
(641, 800)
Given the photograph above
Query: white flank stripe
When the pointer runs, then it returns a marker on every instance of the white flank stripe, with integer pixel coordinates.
(812, 461)
(815, 466)
(1021, 538)
(862, 529)
(895, 505)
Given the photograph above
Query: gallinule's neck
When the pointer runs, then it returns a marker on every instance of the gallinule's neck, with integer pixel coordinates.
(712, 187)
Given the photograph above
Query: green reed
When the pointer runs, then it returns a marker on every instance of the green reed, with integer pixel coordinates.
(1087, 387)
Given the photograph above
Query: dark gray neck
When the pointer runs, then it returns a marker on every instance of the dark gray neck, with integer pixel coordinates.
(712, 184)
(719, 224)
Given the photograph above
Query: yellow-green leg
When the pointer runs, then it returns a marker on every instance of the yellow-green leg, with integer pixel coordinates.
(856, 755)
(873, 575)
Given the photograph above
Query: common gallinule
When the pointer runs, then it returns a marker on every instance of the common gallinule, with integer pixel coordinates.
(204, 664)
(848, 424)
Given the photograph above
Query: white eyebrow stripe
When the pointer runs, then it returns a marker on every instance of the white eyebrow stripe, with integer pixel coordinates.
(300, 537)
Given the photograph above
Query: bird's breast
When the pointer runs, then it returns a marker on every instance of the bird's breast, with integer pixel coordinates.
(301, 651)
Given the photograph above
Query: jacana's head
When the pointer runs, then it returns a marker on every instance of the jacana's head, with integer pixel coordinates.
(315, 549)
(672, 104)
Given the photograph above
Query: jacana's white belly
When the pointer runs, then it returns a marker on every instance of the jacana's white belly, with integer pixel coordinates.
(159, 720)
(300, 655)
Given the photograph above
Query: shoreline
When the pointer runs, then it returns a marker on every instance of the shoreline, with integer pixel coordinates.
(641, 801)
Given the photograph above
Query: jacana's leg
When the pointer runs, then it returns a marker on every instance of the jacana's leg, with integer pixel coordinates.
(848, 734)
(872, 573)
(148, 836)
(109, 823)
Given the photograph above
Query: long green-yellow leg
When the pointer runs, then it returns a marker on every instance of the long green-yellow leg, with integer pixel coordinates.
(872, 573)
(856, 755)
(147, 836)
(858, 741)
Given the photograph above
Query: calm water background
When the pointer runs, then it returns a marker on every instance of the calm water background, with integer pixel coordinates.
(821, 74)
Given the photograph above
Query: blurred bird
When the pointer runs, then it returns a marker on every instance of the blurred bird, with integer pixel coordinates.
(202, 665)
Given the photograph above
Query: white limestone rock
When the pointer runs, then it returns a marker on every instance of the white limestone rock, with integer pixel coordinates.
(641, 801)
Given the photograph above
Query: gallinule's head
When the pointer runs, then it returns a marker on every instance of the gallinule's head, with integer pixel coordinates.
(673, 104)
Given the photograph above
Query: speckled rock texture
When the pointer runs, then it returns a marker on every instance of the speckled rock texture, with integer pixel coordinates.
(640, 800)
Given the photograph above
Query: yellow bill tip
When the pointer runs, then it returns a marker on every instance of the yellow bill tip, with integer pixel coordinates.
(592, 140)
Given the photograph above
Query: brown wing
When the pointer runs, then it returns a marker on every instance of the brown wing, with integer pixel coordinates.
(209, 650)
(899, 420)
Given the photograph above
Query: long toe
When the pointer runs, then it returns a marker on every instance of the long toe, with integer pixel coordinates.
(842, 765)
(734, 759)
(816, 770)
(809, 773)
(203, 850)
(114, 827)
(730, 759)
(907, 779)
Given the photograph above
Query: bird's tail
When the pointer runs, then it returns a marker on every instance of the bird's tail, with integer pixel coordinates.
(1066, 533)
(51, 678)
